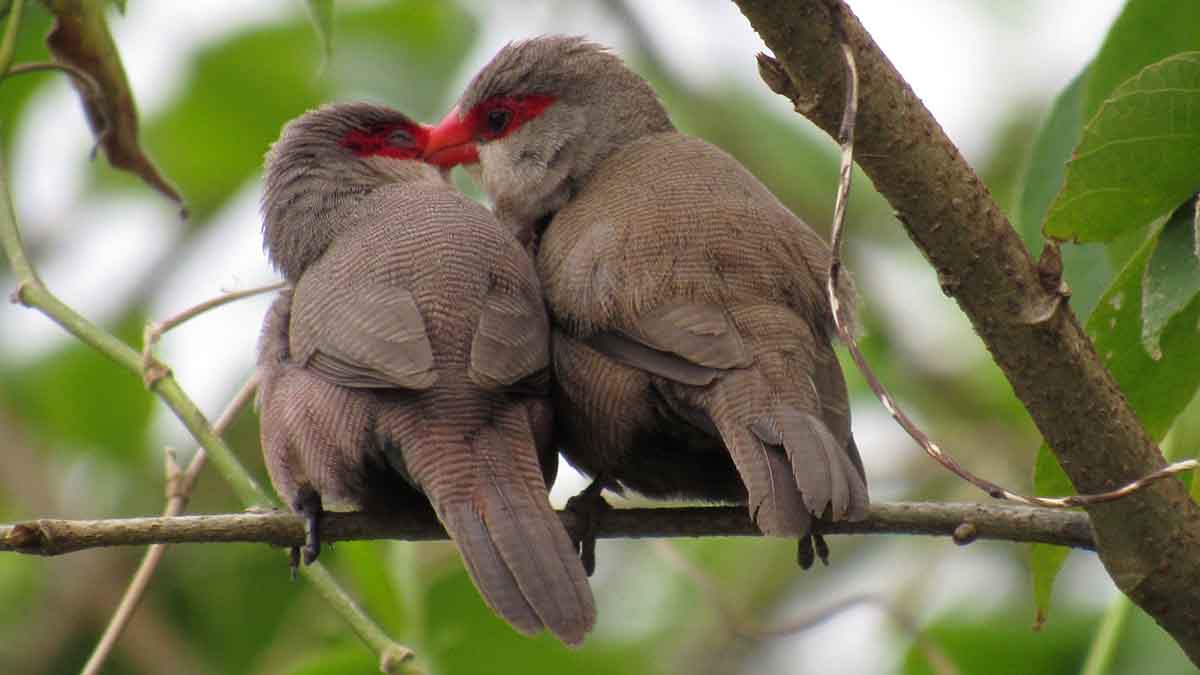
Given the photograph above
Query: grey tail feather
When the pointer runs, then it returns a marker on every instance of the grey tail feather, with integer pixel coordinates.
(516, 548)
(860, 499)
(487, 569)
(825, 472)
(774, 501)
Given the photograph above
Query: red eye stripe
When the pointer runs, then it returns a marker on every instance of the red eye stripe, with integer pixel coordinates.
(520, 108)
(378, 141)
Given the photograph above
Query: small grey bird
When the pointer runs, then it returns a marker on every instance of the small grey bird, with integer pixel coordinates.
(691, 332)
(410, 360)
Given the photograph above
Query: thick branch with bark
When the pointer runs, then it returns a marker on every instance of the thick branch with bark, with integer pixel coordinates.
(1149, 541)
(964, 522)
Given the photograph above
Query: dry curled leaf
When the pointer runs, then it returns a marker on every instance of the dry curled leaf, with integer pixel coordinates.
(80, 38)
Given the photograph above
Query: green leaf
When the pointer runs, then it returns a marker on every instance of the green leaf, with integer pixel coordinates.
(1086, 268)
(1172, 277)
(1157, 389)
(1045, 560)
(1157, 386)
(321, 13)
(1139, 157)
(1146, 31)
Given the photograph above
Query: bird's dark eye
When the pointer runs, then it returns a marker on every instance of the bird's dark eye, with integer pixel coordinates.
(497, 120)
(400, 137)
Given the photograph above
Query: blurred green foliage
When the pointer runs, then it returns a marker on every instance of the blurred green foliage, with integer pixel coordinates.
(79, 436)
(114, 426)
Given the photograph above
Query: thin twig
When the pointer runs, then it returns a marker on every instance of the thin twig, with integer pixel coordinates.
(68, 68)
(747, 626)
(179, 490)
(283, 529)
(842, 321)
(31, 292)
(100, 126)
(152, 369)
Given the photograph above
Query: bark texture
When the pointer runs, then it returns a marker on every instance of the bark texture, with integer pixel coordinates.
(1150, 541)
(964, 522)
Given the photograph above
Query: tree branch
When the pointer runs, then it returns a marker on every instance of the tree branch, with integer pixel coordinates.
(1149, 541)
(964, 522)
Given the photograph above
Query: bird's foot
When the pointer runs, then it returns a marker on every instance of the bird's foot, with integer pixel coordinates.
(589, 505)
(805, 554)
(308, 506)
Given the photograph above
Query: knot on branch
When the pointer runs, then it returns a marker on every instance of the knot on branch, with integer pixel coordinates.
(965, 533)
(27, 538)
(394, 656)
(17, 297)
(777, 80)
(1049, 271)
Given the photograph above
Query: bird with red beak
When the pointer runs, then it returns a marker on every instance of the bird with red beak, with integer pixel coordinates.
(691, 332)
(407, 368)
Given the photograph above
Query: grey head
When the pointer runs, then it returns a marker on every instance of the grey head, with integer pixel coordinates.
(325, 162)
(542, 115)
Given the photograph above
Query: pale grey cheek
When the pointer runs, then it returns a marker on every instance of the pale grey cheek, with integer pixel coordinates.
(493, 167)
(506, 172)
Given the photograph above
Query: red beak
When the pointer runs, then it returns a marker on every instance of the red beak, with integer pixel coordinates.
(451, 143)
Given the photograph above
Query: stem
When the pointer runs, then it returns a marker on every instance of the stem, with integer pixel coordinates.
(70, 69)
(155, 330)
(8, 44)
(240, 400)
(1108, 636)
